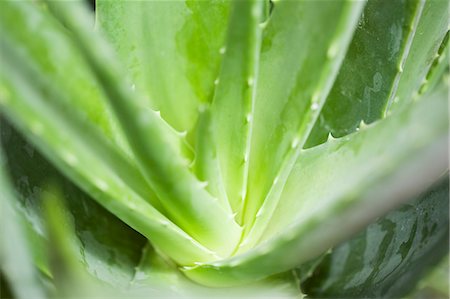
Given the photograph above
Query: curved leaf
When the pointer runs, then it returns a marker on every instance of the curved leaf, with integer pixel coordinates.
(390, 34)
(182, 195)
(293, 82)
(15, 254)
(364, 180)
(46, 124)
(429, 33)
(388, 258)
(232, 106)
(171, 50)
(109, 248)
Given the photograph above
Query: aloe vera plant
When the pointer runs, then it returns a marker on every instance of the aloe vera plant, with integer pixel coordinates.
(273, 148)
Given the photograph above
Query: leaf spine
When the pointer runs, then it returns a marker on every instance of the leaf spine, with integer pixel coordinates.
(314, 106)
(331, 137)
(259, 213)
(203, 184)
(249, 118)
(332, 50)
(250, 81)
(295, 142)
(275, 180)
(182, 134)
(362, 125)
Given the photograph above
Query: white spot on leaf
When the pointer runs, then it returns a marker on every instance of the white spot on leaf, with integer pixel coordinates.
(295, 142)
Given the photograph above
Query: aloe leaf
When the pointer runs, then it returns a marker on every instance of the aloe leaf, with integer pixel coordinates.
(302, 228)
(232, 106)
(345, 169)
(109, 248)
(182, 195)
(15, 257)
(66, 102)
(171, 50)
(278, 133)
(426, 38)
(62, 137)
(65, 260)
(45, 42)
(388, 258)
(63, 249)
(438, 68)
(158, 274)
(368, 77)
(435, 283)
(37, 42)
(304, 71)
(206, 165)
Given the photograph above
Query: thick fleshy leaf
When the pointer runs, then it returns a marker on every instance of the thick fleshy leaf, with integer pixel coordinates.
(347, 165)
(364, 179)
(45, 42)
(332, 191)
(63, 137)
(171, 50)
(434, 284)
(16, 261)
(182, 195)
(64, 88)
(369, 75)
(154, 273)
(293, 82)
(109, 248)
(388, 258)
(206, 166)
(439, 67)
(428, 33)
(232, 106)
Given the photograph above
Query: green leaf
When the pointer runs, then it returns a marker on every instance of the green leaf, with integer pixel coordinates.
(232, 106)
(388, 258)
(435, 283)
(65, 262)
(206, 166)
(439, 67)
(364, 179)
(294, 80)
(65, 108)
(171, 50)
(45, 42)
(428, 34)
(368, 77)
(15, 254)
(349, 165)
(44, 124)
(109, 248)
(183, 197)
(159, 274)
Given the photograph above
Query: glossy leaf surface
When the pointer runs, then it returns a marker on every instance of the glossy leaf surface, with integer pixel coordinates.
(388, 258)
(311, 224)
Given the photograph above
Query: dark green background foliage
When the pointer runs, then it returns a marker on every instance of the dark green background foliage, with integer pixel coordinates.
(390, 255)
(109, 248)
